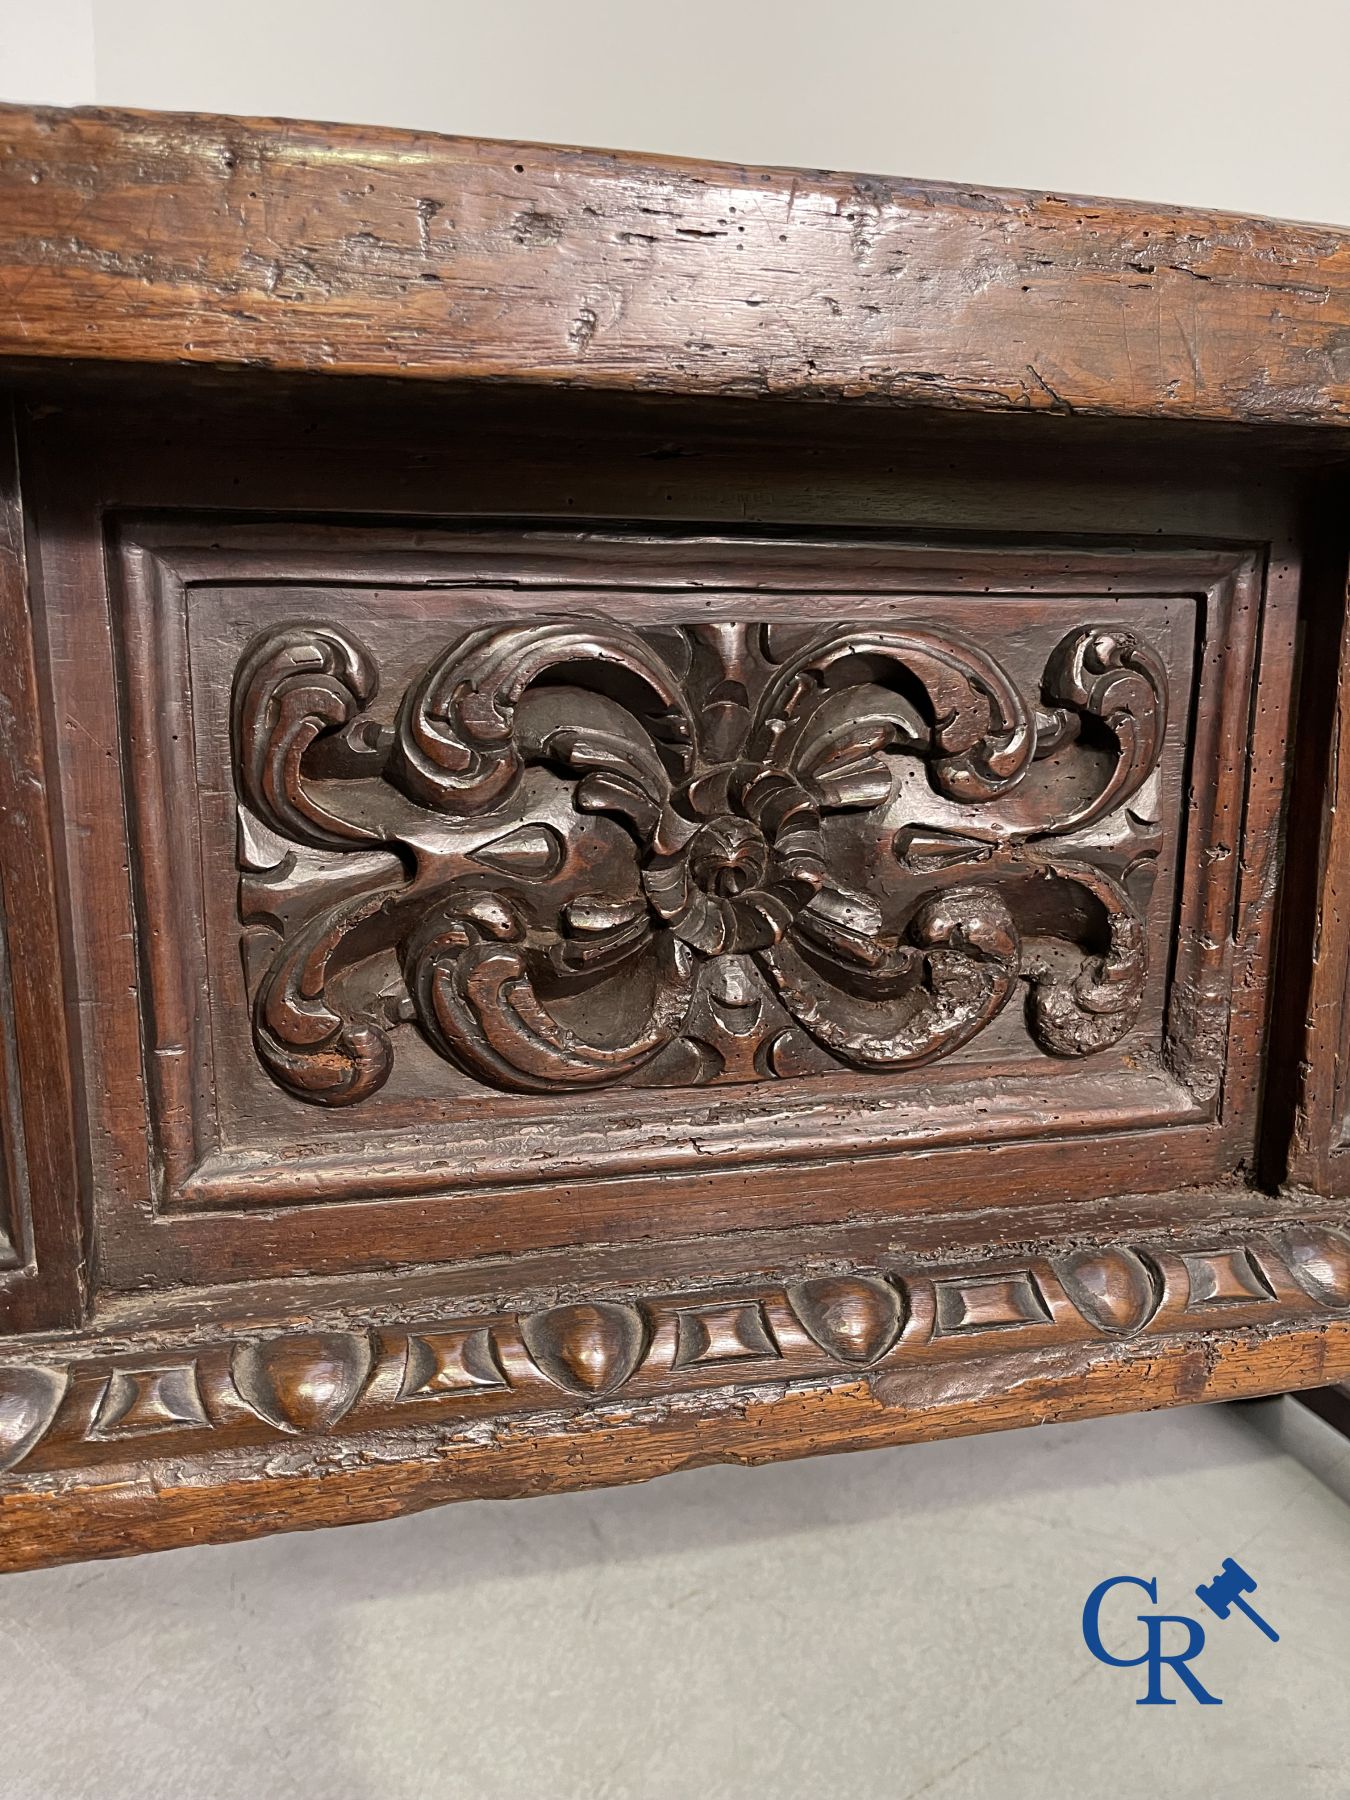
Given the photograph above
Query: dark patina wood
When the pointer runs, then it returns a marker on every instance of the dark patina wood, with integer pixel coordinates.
(137, 237)
(1321, 1129)
(780, 904)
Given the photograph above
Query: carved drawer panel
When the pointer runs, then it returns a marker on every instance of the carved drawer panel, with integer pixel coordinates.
(472, 871)
(581, 853)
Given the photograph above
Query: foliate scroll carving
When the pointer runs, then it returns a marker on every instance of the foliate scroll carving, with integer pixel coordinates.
(575, 853)
(293, 687)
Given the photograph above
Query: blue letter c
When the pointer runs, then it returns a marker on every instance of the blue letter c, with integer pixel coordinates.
(1092, 1627)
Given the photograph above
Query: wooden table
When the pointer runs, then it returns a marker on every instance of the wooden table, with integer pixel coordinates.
(654, 814)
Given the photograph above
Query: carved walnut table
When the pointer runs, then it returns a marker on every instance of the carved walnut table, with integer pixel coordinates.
(652, 814)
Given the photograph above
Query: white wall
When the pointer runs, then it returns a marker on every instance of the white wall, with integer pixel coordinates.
(1230, 103)
(47, 51)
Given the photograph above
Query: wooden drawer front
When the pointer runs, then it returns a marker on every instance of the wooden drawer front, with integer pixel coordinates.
(525, 890)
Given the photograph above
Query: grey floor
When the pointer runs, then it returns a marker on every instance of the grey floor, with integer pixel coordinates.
(896, 1624)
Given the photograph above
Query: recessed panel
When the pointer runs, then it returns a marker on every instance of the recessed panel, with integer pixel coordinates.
(511, 864)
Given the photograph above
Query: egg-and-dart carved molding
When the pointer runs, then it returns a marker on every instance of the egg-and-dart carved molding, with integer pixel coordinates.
(612, 1351)
(584, 853)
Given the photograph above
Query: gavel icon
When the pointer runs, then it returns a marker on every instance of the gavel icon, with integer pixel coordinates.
(1225, 1592)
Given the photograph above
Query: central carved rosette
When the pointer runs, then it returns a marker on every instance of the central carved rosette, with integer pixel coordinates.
(728, 859)
(754, 857)
(749, 929)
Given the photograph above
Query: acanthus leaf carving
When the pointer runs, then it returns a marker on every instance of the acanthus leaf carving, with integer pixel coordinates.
(690, 853)
(295, 685)
(469, 974)
(460, 744)
(1110, 676)
(1096, 1006)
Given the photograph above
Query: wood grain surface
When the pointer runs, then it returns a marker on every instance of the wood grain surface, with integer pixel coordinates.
(1320, 1144)
(162, 1502)
(44, 1265)
(385, 753)
(137, 237)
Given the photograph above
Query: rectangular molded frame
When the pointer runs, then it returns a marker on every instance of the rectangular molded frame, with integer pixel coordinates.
(1187, 1117)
